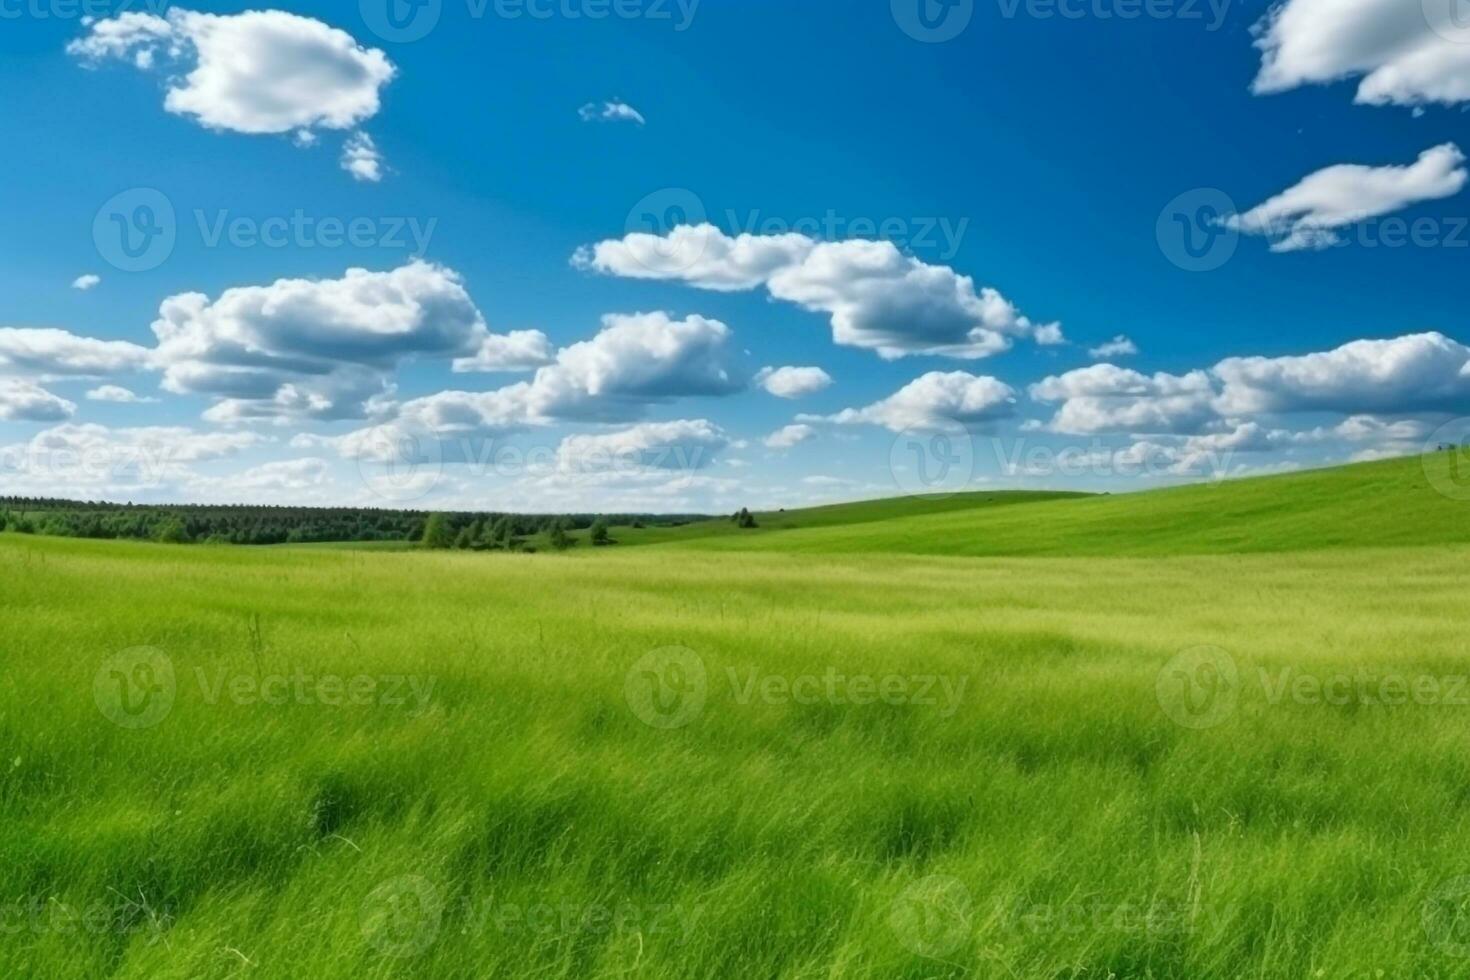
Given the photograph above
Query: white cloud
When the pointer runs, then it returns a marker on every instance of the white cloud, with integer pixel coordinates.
(935, 400)
(1119, 346)
(519, 350)
(302, 348)
(85, 282)
(1309, 214)
(51, 353)
(684, 445)
(614, 111)
(789, 436)
(118, 395)
(877, 298)
(1107, 398)
(22, 401)
(361, 159)
(1418, 373)
(793, 382)
(1406, 52)
(75, 458)
(262, 71)
(635, 361)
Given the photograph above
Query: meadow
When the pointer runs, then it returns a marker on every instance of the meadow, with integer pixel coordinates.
(1212, 732)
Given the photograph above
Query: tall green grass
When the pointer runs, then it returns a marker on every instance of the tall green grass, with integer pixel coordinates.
(1056, 819)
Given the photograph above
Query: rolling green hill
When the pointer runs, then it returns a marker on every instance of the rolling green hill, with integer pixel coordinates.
(1380, 504)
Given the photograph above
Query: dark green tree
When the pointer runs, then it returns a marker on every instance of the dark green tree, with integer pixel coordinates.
(436, 533)
(598, 534)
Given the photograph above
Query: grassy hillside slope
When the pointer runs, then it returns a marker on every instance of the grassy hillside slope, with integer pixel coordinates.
(1381, 504)
(1039, 814)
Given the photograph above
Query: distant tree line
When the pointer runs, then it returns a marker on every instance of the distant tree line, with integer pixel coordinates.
(264, 525)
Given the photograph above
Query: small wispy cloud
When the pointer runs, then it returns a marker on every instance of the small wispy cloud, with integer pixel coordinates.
(85, 282)
(614, 111)
(360, 158)
(1119, 346)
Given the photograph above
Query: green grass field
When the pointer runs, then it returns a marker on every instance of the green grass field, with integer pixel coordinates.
(1212, 732)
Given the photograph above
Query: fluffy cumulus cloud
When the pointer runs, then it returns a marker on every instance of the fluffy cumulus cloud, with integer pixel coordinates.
(1419, 373)
(936, 400)
(1106, 398)
(876, 297)
(1378, 386)
(793, 382)
(24, 401)
(685, 445)
(305, 348)
(1119, 346)
(790, 435)
(79, 459)
(519, 350)
(1309, 214)
(635, 361)
(614, 111)
(51, 353)
(261, 71)
(1404, 52)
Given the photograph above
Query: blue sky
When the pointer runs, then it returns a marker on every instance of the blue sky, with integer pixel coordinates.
(1054, 159)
